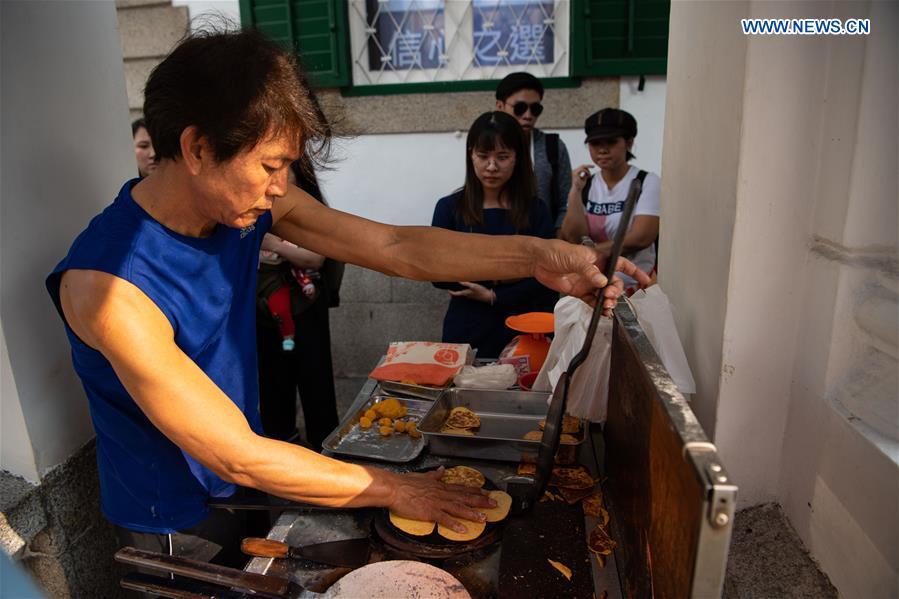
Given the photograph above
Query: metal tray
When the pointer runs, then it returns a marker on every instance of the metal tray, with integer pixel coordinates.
(505, 418)
(349, 439)
(405, 389)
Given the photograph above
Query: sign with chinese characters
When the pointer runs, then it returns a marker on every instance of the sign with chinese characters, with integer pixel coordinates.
(405, 34)
(512, 32)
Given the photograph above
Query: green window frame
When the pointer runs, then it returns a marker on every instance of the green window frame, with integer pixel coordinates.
(315, 29)
(607, 38)
(619, 37)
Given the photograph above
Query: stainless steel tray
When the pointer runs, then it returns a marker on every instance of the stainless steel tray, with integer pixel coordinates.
(419, 391)
(350, 439)
(506, 416)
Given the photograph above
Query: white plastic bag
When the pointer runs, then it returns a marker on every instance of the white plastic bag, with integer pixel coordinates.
(654, 313)
(492, 376)
(588, 394)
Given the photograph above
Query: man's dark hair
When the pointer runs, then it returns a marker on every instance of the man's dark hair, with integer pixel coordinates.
(237, 88)
(516, 82)
(137, 125)
(490, 131)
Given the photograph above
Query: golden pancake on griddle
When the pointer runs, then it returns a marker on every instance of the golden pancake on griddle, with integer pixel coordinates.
(416, 528)
(599, 541)
(571, 478)
(572, 496)
(461, 417)
(527, 469)
(570, 424)
(592, 505)
(463, 475)
(533, 436)
(503, 505)
(473, 531)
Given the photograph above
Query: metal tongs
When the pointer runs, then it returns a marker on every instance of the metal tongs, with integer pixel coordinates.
(525, 495)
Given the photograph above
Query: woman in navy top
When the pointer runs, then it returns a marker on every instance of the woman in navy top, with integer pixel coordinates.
(499, 198)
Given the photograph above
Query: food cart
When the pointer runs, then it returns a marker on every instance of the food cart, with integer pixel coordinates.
(669, 498)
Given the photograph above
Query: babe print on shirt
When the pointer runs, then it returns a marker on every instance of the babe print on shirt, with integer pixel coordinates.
(604, 209)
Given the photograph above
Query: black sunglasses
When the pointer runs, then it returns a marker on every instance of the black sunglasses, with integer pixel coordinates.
(519, 108)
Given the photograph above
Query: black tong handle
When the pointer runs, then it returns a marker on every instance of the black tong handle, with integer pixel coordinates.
(525, 495)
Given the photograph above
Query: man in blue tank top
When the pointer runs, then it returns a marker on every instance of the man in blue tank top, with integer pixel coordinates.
(158, 293)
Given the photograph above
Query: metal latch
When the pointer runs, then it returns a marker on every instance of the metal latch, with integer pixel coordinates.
(721, 497)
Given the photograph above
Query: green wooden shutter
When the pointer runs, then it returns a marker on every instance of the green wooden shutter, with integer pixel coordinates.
(619, 37)
(316, 29)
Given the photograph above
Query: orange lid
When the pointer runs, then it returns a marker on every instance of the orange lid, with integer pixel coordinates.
(532, 322)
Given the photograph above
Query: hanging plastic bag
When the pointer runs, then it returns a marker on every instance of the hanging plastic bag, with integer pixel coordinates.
(654, 313)
(588, 395)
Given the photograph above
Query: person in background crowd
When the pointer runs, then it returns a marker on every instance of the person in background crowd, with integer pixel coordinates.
(595, 202)
(158, 298)
(498, 198)
(143, 148)
(520, 95)
(306, 367)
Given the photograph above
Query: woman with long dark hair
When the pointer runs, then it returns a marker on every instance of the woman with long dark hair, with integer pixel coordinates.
(499, 198)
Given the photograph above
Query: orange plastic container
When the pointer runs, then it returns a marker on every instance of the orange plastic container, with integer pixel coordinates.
(527, 352)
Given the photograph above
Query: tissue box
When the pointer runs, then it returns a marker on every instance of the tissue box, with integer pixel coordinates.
(423, 362)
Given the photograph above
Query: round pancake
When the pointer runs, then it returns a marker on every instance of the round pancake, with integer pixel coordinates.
(599, 541)
(533, 436)
(449, 430)
(592, 504)
(567, 439)
(571, 478)
(503, 504)
(474, 530)
(570, 424)
(416, 528)
(463, 475)
(461, 417)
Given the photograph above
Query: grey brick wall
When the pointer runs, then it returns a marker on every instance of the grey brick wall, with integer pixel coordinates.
(374, 310)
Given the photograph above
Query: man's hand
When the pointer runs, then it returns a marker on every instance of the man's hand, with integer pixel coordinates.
(475, 292)
(573, 270)
(424, 497)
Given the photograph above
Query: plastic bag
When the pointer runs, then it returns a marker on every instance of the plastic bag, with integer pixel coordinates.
(654, 313)
(588, 394)
(493, 376)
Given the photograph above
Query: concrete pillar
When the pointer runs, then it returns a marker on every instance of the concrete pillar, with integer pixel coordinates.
(779, 247)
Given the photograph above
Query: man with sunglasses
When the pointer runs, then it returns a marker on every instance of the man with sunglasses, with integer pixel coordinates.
(521, 94)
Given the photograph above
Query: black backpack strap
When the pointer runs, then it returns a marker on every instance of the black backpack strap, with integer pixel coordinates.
(552, 154)
(585, 192)
(641, 176)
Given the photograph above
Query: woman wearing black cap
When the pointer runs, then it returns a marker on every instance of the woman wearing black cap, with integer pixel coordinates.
(595, 202)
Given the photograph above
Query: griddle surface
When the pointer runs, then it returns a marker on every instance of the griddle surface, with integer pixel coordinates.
(552, 530)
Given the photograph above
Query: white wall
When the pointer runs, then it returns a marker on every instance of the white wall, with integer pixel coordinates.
(203, 9)
(398, 178)
(787, 265)
(66, 149)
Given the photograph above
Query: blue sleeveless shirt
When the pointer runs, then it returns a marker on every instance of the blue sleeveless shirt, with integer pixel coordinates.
(207, 289)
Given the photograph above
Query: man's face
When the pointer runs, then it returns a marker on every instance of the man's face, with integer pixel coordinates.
(144, 153)
(239, 190)
(527, 120)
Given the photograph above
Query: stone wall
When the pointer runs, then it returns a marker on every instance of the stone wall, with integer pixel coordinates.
(55, 531)
(374, 310)
(149, 29)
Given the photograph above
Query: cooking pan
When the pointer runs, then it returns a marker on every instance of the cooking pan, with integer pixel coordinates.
(396, 578)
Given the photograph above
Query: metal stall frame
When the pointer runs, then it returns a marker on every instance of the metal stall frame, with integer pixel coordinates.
(672, 501)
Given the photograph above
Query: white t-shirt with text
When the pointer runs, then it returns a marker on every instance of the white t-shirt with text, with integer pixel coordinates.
(604, 207)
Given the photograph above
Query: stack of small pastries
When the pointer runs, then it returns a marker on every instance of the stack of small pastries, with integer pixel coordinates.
(468, 477)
